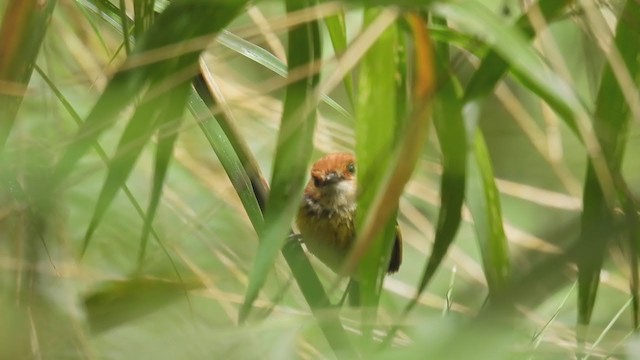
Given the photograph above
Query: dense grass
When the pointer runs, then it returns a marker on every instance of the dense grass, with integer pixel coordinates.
(153, 155)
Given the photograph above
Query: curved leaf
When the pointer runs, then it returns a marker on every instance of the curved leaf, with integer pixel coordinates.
(24, 26)
(293, 152)
(611, 123)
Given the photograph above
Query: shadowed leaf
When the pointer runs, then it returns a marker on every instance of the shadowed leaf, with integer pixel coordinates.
(24, 26)
(611, 123)
(293, 152)
(120, 302)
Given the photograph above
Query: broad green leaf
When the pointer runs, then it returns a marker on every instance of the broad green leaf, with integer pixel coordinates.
(293, 152)
(483, 199)
(611, 125)
(376, 129)
(120, 302)
(103, 156)
(449, 123)
(24, 26)
(524, 62)
(147, 118)
(450, 129)
(245, 176)
(169, 120)
(126, 85)
(338, 34)
(228, 157)
(125, 24)
(408, 144)
(493, 66)
(143, 13)
(269, 61)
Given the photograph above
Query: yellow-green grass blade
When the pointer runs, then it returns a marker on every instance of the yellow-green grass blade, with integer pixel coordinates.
(103, 156)
(293, 153)
(127, 84)
(169, 121)
(154, 110)
(377, 126)
(449, 123)
(493, 66)
(120, 302)
(143, 13)
(242, 170)
(483, 199)
(337, 29)
(611, 123)
(524, 63)
(24, 26)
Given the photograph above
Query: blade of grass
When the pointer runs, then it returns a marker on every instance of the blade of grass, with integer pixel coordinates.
(24, 26)
(533, 73)
(269, 61)
(338, 34)
(137, 133)
(450, 130)
(228, 157)
(493, 66)
(611, 123)
(483, 199)
(126, 85)
(124, 23)
(248, 182)
(170, 118)
(407, 146)
(103, 156)
(143, 13)
(376, 129)
(120, 302)
(293, 152)
(523, 62)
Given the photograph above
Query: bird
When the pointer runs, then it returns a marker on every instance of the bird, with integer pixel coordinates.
(326, 216)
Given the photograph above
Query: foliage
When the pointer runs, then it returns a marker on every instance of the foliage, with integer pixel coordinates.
(137, 138)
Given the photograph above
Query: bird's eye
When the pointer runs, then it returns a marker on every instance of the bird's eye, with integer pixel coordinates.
(317, 182)
(351, 168)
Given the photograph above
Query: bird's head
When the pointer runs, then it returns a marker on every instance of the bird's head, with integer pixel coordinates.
(333, 180)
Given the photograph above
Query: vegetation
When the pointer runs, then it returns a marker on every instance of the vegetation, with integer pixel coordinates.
(137, 139)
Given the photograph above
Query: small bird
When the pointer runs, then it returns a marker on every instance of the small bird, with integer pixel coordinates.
(326, 217)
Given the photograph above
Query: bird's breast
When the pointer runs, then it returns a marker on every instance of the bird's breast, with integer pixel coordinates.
(327, 232)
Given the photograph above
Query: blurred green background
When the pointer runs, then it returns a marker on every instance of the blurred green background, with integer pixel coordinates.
(126, 68)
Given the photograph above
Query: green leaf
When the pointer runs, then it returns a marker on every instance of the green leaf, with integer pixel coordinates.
(293, 152)
(493, 66)
(228, 157)
(524, 63)
(24, 26)
(169, 120)
(125, 23)
(169, 30)
(450, 129)
(338, 34)
(245, 176)
(376, 129)
(483, 200)
(142, 125)
(143, 12)
(103, 156)
(120, 302)
(269, 61)
(611, 125)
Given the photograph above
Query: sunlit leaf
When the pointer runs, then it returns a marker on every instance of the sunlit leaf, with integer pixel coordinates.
(611, 123)
(24, 26)
(293, 152)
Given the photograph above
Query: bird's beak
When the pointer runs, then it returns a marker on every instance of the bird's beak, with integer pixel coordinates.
(331, 178)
